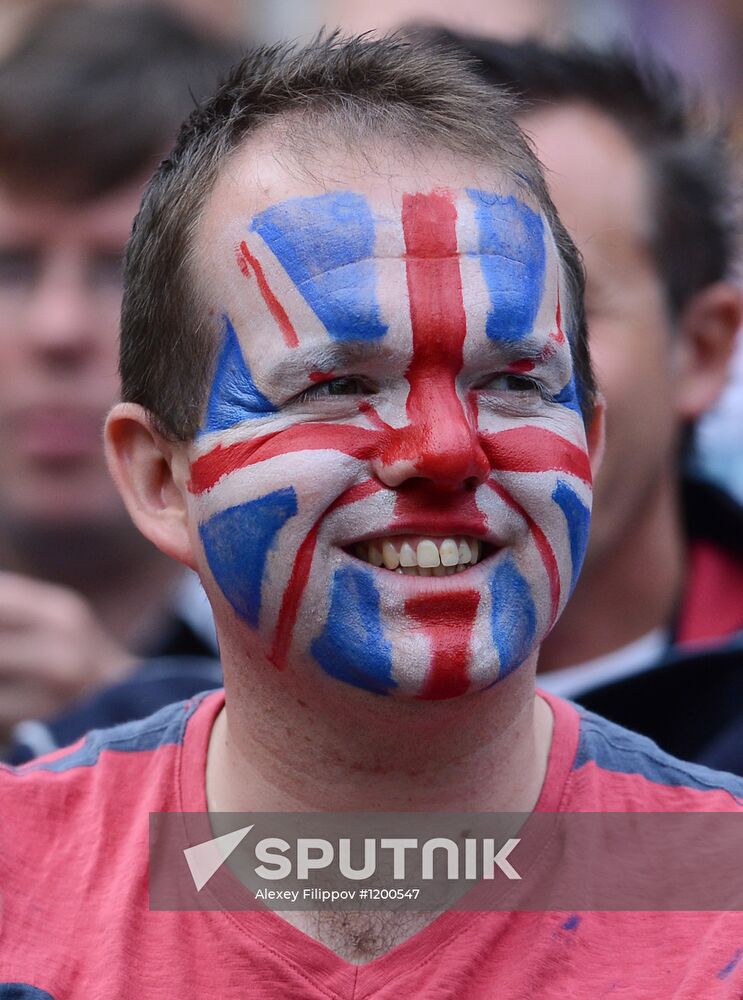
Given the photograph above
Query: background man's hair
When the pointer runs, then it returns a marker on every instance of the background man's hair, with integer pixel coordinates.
(695, 237)
(92, 97)
(347, 92)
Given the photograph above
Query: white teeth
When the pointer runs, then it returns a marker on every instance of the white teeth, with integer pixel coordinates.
(389, 556)
(428, 553)
(407, 555)
(449, 552)
(375, 556)
(430, 557)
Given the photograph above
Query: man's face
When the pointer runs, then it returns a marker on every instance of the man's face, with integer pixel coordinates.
(392, 483)
(600, 188)
(60, 296)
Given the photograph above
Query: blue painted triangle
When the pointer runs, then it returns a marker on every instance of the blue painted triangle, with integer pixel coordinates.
(234, 396)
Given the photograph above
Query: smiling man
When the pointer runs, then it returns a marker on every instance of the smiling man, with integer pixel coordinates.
(357, 399)
(364, 464)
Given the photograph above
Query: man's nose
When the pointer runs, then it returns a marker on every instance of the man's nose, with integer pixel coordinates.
(441, 445)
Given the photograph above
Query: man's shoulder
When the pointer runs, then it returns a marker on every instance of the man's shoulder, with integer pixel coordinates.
(623, 770)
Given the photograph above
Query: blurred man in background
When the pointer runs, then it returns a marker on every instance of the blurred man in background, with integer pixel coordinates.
(90, 100)
(645, 190)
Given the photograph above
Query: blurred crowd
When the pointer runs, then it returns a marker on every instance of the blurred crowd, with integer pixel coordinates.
(96, 626)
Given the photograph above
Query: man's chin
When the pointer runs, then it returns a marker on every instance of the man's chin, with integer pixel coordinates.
(417, 675)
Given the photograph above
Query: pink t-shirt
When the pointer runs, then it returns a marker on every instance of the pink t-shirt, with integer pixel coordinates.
(74, 918)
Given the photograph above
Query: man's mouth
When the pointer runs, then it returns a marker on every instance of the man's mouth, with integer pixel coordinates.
(420, 555)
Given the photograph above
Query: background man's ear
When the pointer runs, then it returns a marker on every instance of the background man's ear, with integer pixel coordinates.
(151, 474)
(596, 435)
(705, 342)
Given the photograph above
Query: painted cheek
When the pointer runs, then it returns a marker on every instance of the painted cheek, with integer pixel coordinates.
(238, 535)
(355, 442)
(297, 584)
(578, 520)
(234, 395)
(513, 616)
(556, 521)
(236, 544)
(535, 449)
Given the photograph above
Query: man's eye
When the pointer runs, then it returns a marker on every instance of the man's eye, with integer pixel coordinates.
(351, 385)
(508, 382)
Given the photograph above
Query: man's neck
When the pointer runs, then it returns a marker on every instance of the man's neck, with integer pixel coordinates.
(128, 583)
(624, 592)
(334, 748)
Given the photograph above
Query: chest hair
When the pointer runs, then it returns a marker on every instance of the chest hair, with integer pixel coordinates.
(359, 937)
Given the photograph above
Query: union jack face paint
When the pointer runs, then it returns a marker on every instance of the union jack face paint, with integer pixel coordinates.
(394, 373)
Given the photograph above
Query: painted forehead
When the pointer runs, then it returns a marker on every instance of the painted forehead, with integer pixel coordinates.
(329, 247)
(334, 274)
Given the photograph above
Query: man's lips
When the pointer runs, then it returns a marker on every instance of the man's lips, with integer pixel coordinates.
(422, 555)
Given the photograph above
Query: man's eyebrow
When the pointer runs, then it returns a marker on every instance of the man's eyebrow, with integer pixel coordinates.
(300, 363)
(532, 346)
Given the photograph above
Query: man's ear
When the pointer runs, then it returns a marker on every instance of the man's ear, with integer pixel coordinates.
(151, 474)
(705, 335)
(596, 435)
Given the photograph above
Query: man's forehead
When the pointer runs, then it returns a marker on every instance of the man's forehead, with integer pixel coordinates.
(308, 259)
(368, 215)
(339, 248)
(482, 222)
(262, 174)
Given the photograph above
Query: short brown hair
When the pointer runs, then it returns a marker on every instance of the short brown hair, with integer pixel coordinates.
(352, 89)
